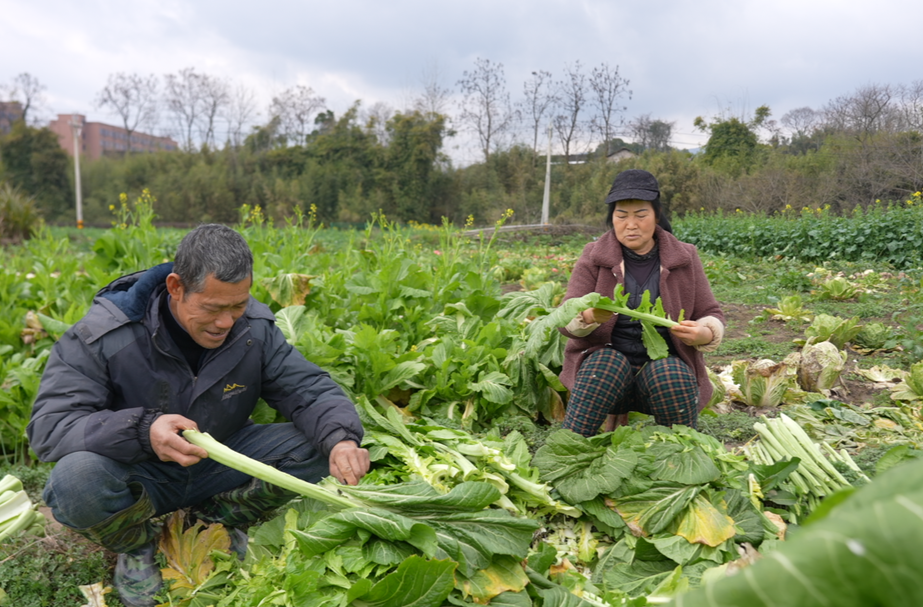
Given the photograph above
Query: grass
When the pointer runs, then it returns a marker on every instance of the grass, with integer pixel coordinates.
(37, 572)
(49, 571)
(734, 427)
(754, 347)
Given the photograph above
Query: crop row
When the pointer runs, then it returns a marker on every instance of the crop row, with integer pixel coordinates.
(891, 233)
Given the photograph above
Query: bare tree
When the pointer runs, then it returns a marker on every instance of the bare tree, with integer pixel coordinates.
(608, 88)
(911, 106)
(435, 97)
(651, 134)
(133, 98)
(183, 96)
(376, 121)
(29, 92)
(870, 109)
(485, 105)
(239, 112)
(800, 121)
(297, 108)
(571, 94)
(215, 95)
(538, 93)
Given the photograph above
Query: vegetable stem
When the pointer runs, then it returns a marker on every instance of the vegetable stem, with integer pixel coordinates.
(227, 456)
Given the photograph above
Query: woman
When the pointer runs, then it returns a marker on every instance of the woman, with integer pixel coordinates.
(606, 367)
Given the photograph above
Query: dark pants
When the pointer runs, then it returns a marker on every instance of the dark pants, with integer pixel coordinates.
(92, 493)
(607, 384)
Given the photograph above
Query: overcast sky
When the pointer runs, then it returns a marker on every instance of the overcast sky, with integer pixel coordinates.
(682, 58)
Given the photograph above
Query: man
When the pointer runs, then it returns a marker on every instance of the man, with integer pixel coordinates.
(180, 346)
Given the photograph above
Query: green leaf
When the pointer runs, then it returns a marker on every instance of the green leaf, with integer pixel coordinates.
(290, 321)
(472, 539)
(421, 497)
(493, 387)
(690, 466)
(336, 529)
(401, 373)
(416, 583)
(579, 470)
(865, 552)
(652, 511)
(656, 345)
(638, 578)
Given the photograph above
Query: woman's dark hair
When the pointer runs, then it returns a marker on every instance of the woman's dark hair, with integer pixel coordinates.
(662, 220)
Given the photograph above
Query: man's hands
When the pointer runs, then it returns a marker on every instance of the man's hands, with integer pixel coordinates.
(168, 443)
(348, 463)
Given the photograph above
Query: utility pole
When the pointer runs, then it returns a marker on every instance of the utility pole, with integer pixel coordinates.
(77, 128)
(546, 199)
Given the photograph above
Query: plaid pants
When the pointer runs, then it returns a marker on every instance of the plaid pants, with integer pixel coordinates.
(607, 384)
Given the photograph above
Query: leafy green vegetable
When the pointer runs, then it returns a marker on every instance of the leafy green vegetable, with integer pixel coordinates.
(650, 315)
(579, 469)
(865, 552)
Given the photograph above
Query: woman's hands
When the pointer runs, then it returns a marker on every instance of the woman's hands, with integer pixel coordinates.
(692, 333)
(595, 315)
(689, 332)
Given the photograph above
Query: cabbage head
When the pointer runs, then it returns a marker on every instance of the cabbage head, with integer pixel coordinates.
(763, 383)
(821, 366)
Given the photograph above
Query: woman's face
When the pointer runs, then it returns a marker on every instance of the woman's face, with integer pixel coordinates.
(634, 222)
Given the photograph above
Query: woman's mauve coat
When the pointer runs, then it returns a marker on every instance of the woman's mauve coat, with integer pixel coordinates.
(683, 286)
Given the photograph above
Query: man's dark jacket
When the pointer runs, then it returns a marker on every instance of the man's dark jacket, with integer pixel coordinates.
(115, 371)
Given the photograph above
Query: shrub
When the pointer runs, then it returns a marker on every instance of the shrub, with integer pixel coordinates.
(19, 215)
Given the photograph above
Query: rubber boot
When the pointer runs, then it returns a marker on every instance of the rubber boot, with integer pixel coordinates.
(133, 536)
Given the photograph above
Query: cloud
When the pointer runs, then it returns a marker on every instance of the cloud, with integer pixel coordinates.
(683, 59)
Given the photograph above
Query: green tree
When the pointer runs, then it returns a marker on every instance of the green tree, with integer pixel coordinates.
(35, 164)
(732, 144)
(410, 172)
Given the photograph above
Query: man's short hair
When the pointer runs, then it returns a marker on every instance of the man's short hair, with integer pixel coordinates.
(212, 249)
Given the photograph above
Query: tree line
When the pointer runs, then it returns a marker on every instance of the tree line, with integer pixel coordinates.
(858, 148)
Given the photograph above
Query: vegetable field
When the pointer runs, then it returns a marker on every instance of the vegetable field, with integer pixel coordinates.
(800, 485)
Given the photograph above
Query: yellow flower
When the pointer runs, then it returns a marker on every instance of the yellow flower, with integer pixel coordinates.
(111, 207)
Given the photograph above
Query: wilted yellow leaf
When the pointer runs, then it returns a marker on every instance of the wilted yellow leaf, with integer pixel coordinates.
(702, 523)
(189, 563)
(95, 594)
(289, 289)
(778, 522)
(505, 573)
(886, 424)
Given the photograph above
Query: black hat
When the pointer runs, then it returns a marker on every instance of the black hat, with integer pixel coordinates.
(633, 184)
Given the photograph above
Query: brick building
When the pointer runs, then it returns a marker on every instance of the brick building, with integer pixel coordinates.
(10, 112)
(99, 139)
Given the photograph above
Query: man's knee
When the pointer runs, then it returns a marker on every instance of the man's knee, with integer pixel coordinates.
(85, 488)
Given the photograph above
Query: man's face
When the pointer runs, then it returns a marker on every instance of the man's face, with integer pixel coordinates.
(209, 314)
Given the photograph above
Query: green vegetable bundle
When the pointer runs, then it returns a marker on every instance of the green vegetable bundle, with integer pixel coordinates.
(817, 477)
(17, 512)
(675, 502)
(393, 545)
